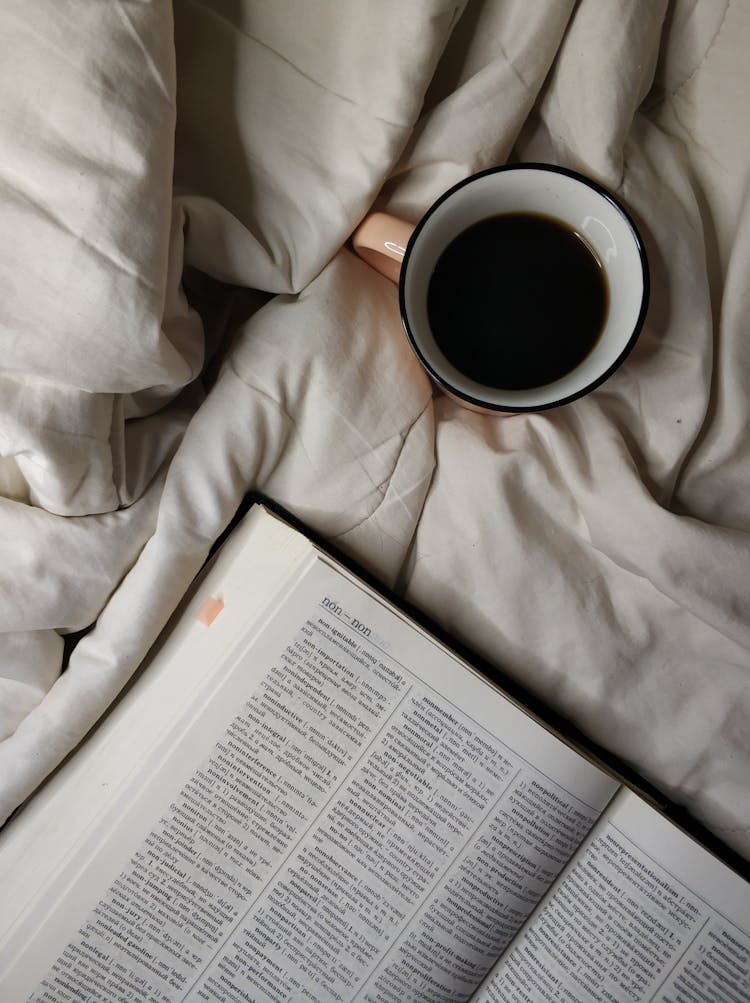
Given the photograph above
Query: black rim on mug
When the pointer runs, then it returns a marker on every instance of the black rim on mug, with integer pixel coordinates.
(489, 405)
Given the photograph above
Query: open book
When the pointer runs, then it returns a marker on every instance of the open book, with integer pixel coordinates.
(305, 796)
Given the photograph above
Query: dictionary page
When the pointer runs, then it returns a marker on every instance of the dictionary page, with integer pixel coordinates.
(351, 813)
(643, 912)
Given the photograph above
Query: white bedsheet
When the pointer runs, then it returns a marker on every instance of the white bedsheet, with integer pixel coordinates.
(182, 321)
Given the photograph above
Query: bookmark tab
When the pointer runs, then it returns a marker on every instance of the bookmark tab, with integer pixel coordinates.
(209, 610)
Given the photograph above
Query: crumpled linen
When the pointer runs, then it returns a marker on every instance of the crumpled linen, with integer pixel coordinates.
(182, 321)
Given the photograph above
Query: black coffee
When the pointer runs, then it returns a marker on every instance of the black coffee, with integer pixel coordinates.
(517, 301)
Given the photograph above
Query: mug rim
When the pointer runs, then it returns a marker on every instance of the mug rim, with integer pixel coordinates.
(481, 403)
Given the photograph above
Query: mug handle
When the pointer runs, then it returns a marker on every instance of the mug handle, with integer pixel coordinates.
(380, 240)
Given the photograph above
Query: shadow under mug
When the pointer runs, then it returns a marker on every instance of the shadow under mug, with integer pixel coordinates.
(408, 255)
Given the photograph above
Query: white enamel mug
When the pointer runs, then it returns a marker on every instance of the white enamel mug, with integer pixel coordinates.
(408, 255)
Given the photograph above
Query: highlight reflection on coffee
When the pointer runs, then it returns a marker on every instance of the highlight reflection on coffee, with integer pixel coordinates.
(517, 301)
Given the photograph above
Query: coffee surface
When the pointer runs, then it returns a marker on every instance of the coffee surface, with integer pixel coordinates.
(517, 301)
